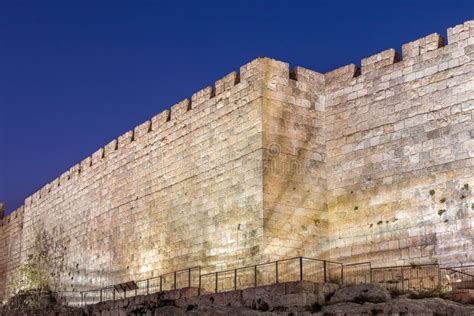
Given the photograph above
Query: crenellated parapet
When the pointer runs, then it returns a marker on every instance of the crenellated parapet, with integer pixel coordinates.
(385, 65)
(414, 54)
(258, 69)
(15, 217)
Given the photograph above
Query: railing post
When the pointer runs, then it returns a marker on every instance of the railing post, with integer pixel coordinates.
(175, 280)
(276, 271)
(100, 295)
(325, 271)
(255, 276)
(189, 277)
(125, 293)
(147, 286)
(82, 298)
(342, 273)
(403, 280)
(161, 283)
(217, 281)
(370, 274)
(439, 277)
(113, 295)
(235, 279)
(199, 285)
(301, 268)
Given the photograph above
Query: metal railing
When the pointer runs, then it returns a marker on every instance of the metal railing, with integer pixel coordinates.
(457, 278)
(356, 273)
(407, 278)
(166, 282)
(287, 270)
(397, 278)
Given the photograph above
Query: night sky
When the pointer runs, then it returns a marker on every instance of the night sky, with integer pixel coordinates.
(76, 74)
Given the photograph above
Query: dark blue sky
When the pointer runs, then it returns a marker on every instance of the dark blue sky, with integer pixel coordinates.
(76, 74)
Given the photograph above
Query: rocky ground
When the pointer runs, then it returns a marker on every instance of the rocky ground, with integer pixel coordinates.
(294, 298)
(366, 299)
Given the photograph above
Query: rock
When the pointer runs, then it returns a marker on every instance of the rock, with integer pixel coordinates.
(169, 311)
(342, 309)
(401, 306)
(326, 290)
(444, 307)
(361, 293)
(224, 310)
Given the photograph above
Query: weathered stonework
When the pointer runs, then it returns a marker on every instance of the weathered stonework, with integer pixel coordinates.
(354, 165)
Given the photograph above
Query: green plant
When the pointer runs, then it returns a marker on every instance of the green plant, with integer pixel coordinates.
(442, 200)
(30, 275)
(441, 212)
(466, 186)
(356, 208)
(432, 192)
(41, 271)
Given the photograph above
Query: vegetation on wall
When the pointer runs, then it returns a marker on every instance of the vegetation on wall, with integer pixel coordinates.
(42, 269)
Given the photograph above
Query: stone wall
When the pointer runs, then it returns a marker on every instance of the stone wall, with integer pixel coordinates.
(184, 189)
(294, 180)
(354, 165)
(400, 153)
(11, 228)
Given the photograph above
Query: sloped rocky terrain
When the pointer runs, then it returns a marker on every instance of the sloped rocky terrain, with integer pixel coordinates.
(290, 299)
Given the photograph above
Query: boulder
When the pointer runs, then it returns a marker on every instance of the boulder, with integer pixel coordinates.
(361, 293)
(440, 306)
(400, 306)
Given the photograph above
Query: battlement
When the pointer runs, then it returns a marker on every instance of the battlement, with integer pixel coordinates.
(178, 113)
(415, 52)
(13, 217)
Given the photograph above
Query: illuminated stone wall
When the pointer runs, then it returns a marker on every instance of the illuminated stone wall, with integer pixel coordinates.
(400, 154)
(371, 164)
(10, 246)
(294, 180)
(184, 189)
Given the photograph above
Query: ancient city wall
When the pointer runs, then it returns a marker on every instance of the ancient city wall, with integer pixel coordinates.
(356, 164)
(182, 190)
(400, 153)
(294, 182)
(11, 228)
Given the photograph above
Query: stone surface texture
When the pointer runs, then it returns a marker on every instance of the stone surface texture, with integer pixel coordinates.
(373, 293)
(375, 164)
(290, 299)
